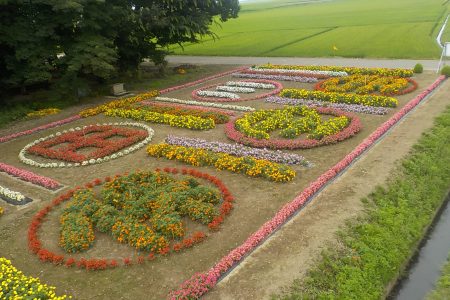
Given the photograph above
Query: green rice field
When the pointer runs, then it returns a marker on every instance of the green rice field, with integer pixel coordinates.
(316, 28)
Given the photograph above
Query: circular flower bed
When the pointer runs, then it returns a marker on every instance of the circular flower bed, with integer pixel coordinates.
(255, 129)
(368, 84)
(142, 209)
(108, 141)
(203, 95)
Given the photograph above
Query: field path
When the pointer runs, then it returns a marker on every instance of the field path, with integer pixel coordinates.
(292, 250)
(337, 61)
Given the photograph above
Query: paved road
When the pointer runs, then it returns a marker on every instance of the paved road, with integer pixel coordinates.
(337, 61)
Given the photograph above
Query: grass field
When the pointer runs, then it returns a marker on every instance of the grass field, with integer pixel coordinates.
(358, 28)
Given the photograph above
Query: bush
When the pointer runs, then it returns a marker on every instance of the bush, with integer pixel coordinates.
(445, 71)
(418, 68)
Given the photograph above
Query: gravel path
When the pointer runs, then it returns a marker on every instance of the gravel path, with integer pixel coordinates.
(337, 61)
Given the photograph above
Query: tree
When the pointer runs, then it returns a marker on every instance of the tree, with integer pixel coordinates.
(73, 43)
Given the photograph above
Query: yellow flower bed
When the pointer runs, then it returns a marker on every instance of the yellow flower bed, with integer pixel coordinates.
(120, 103)
(329, 127)
(223, 161)
(15, 285)
(368, 100)
(1, 210)
(191, 122)
(348, 70)
(43, 112)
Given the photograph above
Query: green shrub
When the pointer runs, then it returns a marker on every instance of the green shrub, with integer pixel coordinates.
(418, 68)
(445, 71)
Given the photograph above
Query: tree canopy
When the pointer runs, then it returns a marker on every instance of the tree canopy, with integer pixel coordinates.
(69, 43)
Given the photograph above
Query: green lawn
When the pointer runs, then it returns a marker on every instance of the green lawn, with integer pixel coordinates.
(358, 28)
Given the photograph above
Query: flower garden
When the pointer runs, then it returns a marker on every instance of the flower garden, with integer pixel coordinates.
(180, 185)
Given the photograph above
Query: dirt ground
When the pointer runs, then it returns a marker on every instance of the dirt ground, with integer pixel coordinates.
(257, 200)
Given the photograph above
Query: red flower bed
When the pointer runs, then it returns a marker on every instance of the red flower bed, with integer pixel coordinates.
(97, 138)
(278, 88)
(35, 244)
(353, 128)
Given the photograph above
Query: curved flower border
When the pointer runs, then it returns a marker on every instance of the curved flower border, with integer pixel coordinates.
(45, 255)
(206, 104)
(200, 283)
(353, 128)
(31, 177)
(278, 88)
(121, 153)
(13, 197)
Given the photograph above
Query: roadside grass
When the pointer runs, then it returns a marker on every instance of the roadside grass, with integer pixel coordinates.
(442, 288)
(362, 28)
(374, 249)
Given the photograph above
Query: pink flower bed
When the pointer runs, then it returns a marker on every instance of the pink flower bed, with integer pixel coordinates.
(28, 176)
(196, 107)
(353, 128)
(182, 86)
(278, 88)
(39, 128)
(199, 284)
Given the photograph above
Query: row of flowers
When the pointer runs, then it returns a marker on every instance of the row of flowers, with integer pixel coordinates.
(16, 285)
(31, 177)
(190, 122)
(352, 129)
(357, 108)
(186, 106)
(205, 104)
(233, 89)
(304, 71)
(239, 150)
(43, 112)
(222, 161)
(13, 197)
(304, 79)
(107, 157)
(274, 72)
(119, 103)
(45, 255)
(349, 70)
(201, 283)
(178, 110)
(202, 94)
(368, 84)
(39, 128)
(251, 84)
(368, 100)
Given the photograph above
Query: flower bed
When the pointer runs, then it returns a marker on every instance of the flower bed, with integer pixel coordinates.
(87, 205)
(119, 103)
(262, 139)
(206, 104)
(190, 122)
(13, 197)
(185, 106)
(251, 84)
(217, 117)
(39, 128)
(349, 70)
(212, 96)
(75, 139)
(368, 84)
(16, 285)
(43, 112)
(201, 283)
(283, 77)
(218, 94)
(223, 161)
(367, 100)
(238, 150)
(235, 89)
(300, 72)
(31, 177)
(357, 108)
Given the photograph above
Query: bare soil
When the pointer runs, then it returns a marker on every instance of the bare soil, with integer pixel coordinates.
(257, 200)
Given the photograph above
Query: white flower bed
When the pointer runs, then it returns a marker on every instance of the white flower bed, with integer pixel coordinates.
(16, 196)
(312, 72)
(206, 104)
(256, 85)
(218, 94)
(235, 89)
(121, 153)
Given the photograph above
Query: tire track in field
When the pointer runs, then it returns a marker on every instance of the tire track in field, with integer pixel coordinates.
(300, 39)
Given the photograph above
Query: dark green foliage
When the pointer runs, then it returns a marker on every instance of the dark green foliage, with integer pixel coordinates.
(445, 71)
(375, 248)
(418, 68)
